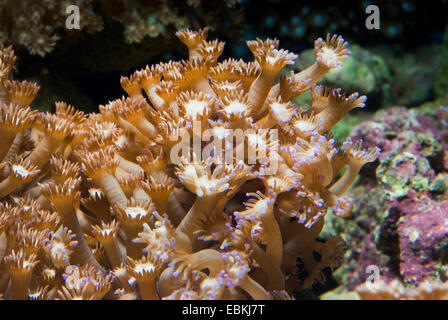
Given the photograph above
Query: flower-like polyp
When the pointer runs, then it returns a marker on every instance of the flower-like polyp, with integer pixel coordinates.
(145, 271)
(20, 265)
(133, 215)
(59, 247)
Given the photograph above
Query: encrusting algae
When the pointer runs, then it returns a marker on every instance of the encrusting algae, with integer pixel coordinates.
(130, 203)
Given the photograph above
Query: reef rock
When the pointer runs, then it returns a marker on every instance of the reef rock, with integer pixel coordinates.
(400, 219)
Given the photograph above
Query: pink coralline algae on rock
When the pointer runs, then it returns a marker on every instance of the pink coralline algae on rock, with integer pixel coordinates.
(400, 220)
(423, 234)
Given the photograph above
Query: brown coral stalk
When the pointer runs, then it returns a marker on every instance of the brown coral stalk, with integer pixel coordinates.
(259, 91)
(7, 139)
(109, 184)
(255, 290)
(14, 148)
(272, 272)
(3, 94)
(41, 154)
(200, 209)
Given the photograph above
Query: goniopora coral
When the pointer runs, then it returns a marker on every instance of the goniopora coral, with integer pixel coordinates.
(206, 182)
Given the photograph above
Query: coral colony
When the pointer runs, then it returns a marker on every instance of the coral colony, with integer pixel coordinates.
(127, 204)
